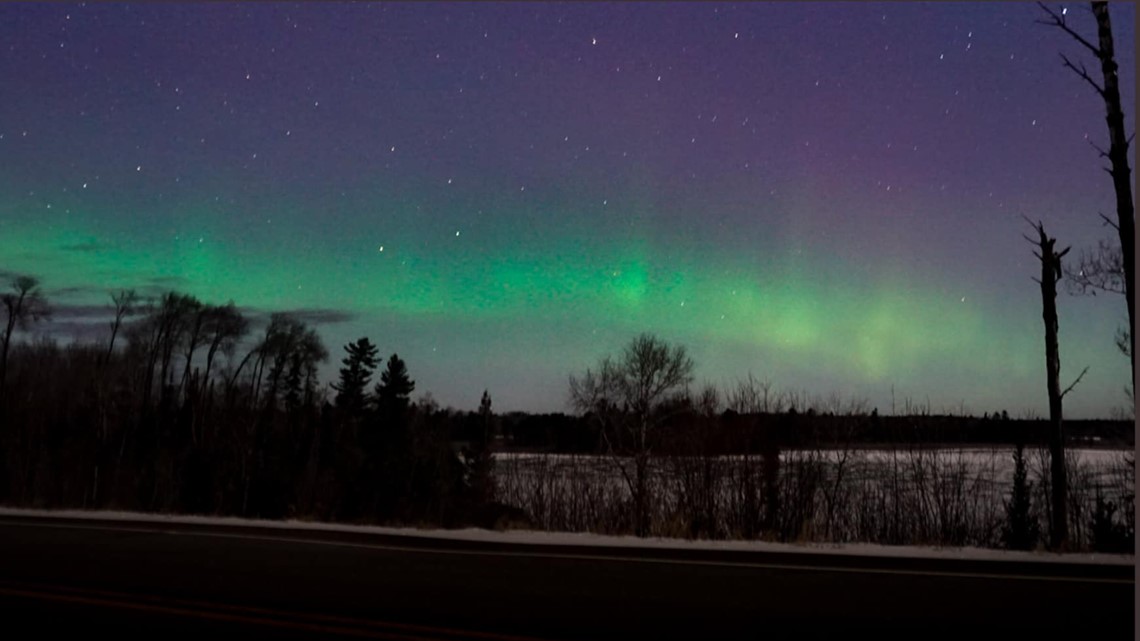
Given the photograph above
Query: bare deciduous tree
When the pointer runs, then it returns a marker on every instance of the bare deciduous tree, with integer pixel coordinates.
(126, 304)
(754, 396)
(627, 395)
(23, 305)
(225, 326)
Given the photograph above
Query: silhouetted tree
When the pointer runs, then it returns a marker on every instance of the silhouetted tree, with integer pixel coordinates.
(197, 318)
(478, 457)
(125, 302)
(627, 394)
(389, 445)
(1051, 273)
(225, 327)
(1021, 530)
(287, 341)
(1103, 264)
(394, 391)
(159, 334)
(1109, 533)
(355, 375)
(23, 305)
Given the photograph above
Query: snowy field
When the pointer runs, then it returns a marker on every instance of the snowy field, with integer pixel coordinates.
(945, 496)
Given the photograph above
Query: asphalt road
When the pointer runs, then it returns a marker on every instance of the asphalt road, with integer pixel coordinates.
(148, 580)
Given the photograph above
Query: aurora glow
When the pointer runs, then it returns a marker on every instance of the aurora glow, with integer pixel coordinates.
(827, 195)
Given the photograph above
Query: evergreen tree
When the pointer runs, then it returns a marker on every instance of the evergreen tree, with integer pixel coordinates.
(478, 459)
(394, 391)
(1021, 530)
(390, 446)
(355, 374)
(1109, 533)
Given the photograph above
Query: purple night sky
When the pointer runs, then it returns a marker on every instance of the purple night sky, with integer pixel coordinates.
(828, 195)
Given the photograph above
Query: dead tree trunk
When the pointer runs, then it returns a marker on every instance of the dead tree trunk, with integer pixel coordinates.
(1117, 153)
(1121, 173)
(1050, 274)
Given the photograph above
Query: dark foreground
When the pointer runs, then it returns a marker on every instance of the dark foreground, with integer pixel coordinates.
(146, 580)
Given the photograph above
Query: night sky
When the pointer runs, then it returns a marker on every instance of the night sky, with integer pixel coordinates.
(826, 195)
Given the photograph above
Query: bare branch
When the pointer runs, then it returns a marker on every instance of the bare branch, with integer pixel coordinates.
(1059, 21)
(1108, 221)
(1103, 153)
(1101, 270)
(1083, 73)
(1074, 383)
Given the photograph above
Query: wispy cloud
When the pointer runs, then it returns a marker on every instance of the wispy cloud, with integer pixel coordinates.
(62, 313)
(86, 247)
(312, 315)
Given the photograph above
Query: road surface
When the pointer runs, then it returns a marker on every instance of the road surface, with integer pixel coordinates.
(162, 580)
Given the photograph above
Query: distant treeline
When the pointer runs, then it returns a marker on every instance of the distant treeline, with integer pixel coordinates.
(734, 433)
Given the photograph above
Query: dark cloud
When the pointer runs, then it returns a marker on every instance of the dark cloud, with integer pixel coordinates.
(86, 247)
(165, 282)
(64, 312)
(314, 316)
(319, 316)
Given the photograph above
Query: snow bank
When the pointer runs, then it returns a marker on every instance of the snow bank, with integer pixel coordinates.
(536, 538)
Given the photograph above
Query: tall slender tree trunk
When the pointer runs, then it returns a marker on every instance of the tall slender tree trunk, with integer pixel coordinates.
(9, 329)
(1050, 274)
(1121, 173)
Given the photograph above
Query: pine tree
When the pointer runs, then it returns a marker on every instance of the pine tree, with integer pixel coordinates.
(355, 374)
(479, 460)
(394, 391)
(1021, 530)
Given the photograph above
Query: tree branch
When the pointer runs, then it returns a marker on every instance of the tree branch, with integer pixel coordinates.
(1074, 384)
(1103, 153)
(1082, 72)
(1109, 222)
(1059, 21)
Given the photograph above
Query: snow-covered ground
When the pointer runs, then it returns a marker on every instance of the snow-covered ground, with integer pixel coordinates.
(533, 538)
(953, 495)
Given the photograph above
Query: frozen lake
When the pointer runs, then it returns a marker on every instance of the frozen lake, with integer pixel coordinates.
(908, 494)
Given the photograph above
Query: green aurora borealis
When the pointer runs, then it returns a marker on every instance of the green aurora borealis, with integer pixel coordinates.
(510, 272)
